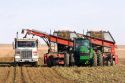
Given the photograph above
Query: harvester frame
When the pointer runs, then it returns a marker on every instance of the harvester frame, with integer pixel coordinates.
(68, 45)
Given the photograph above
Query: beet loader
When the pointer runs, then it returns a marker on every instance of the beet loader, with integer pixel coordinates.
(71, 48)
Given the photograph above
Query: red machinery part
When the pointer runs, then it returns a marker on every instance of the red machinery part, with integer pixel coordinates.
(59, 40)
(57, 56)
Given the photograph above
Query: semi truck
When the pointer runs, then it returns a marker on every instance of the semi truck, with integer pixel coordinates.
(26, 51)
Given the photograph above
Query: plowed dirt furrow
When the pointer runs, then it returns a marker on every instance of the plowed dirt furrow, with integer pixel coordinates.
(7, 70)
(29, 72)
(42, 72)
(25, 75)
(10, 78)
(4, 72)
(36, 76)
(52, 76)
(32, 74)
(17, 75)
(59, 77)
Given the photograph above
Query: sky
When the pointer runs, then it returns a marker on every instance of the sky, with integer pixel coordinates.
(75, 15)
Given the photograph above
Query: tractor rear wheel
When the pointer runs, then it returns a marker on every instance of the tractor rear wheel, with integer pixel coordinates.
(72, 61)
(66, 59)
(95, 60)
(100, 60)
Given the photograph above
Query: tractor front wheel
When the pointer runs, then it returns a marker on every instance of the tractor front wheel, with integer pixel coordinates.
(100, 60)
(72, 61)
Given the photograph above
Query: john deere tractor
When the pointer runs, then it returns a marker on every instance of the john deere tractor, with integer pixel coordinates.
(81, 53)
(84, 54)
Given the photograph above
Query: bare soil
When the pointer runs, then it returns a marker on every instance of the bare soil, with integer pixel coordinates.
(10, 74)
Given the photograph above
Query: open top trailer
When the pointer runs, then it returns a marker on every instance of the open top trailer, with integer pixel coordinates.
(77, 49)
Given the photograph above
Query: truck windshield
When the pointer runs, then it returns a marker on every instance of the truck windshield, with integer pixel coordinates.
(26, 44)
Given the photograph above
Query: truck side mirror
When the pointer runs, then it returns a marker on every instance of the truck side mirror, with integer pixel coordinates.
(13, 45)
(37, 43)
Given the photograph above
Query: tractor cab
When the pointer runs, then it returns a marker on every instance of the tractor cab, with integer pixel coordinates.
(82, 50)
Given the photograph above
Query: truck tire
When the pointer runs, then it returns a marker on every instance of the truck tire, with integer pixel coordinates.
(20, 64)
(14, 64)
(35, 64)
(66, 59)
(100, 60)
(95, 60)
(72, 61)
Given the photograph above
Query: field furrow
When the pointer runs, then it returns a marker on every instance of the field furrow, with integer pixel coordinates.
(43, 74)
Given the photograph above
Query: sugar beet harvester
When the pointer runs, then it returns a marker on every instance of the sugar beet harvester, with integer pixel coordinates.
(78, 49)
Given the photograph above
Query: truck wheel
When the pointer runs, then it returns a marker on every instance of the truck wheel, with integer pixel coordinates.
(100, 60)
(95, 60)
(20, 64)
(15, 64)
(72, 61)
(35, 64)
(66, 59)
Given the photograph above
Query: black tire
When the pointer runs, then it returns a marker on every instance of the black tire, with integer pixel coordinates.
(14, 64)
(110, 60)
(105, 61)
(66, 59)
(20, 64)
(95, 60)
(100, 60)
(35, 64)
(72, 61)
(50, 61)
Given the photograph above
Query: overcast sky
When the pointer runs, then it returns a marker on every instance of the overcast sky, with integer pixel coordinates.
(75, 15)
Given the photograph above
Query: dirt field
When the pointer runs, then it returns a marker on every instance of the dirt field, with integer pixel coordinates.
(115, 74)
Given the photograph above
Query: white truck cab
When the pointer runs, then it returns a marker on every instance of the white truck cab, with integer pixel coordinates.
(26, 50)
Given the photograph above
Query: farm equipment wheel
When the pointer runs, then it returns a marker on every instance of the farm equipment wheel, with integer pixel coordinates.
(72, 61)
(20, 64)
(14, 64)
(35, 64)
(95, 60)
(110, 60)
(50, 61)
(100, 58)
(66, 59)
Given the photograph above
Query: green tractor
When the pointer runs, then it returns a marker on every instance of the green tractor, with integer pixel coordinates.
(85, 54)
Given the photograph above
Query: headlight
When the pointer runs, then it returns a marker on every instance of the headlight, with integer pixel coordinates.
(17, 57)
